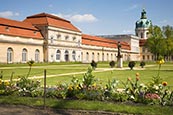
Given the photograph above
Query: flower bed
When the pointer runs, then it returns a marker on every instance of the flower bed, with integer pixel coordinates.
(156, 92)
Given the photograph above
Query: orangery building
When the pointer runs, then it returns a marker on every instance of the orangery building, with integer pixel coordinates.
(47, 38)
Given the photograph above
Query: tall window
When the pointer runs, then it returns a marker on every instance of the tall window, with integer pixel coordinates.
(74, 56)
(58, 54)
(37, 55)
(87, 56)
(93, 56)
(24, 55)
(142, 35)
(66, 56)
(81, 56)
(9, 55)
(107, 57)
(98, 57)
(103, 57)
(111, 56)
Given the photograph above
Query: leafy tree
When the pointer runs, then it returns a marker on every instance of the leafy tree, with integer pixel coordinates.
(155, 43)
(168, 34)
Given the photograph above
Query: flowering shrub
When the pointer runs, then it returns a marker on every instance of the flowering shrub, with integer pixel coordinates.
(155, 92)
(28, 87)
(6, 87)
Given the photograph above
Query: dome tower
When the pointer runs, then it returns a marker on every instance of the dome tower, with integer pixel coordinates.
(142, 26)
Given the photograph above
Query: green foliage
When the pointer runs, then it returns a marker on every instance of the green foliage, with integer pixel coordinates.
(142, 64)
(88, 78)
(30, 63)
(131, 64)
(160, 41)
(93, 64)
(28, 87)
(90, 89)
(112, 64)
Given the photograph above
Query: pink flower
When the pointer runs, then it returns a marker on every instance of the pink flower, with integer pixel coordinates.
(152, 96)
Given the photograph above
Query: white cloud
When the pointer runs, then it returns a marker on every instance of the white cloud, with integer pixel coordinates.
(127, 31)
(8, 14)
(133, 7)
(164, 21)
(78, 17)
(83, 18)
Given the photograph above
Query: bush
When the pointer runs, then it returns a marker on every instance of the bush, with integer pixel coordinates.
(142, 64)
(112, 64)
(131, 64)
(93, 64)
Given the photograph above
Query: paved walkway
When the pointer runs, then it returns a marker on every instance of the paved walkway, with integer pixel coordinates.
(76, 73)
(72, 73)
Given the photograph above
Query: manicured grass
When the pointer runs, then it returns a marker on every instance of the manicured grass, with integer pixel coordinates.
(55, 69)
(146, 75)
(90, 105)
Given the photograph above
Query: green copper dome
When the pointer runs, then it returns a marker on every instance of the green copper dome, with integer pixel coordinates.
(143, 22)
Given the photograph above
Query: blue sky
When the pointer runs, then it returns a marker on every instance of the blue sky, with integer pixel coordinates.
(95, 17)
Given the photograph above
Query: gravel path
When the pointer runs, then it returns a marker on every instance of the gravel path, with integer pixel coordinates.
(26, 110)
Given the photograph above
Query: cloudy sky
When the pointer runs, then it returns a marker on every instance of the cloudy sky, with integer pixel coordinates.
(95, 17)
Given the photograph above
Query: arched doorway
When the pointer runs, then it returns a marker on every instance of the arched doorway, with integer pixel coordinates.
(66, 56)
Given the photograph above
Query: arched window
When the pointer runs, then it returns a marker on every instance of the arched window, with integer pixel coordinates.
(103, 57)
(24, 55)
(81, 56)
(111, 56)
(58, 54)
(115, 57)
(66, 56)
(37, 55)
(87, 56)
(9, 55)
(98, 57)
(107, 57)
(74, 56)
(93, 56)
(66, 37)
(142, 35)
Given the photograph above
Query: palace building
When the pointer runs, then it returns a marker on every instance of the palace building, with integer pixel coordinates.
(47, 38)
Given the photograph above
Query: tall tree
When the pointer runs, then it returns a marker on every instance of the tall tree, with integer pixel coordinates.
(168, 34)
(155, 42)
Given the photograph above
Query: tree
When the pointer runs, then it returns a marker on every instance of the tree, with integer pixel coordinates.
(155, 43)
(168, 35)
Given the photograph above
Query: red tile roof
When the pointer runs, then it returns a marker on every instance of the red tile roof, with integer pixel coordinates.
(51, 20)
(102, 42)
(142, 42)
(17, 28)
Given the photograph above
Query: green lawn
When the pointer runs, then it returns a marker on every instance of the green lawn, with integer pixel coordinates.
(125, 108)
(56, 69)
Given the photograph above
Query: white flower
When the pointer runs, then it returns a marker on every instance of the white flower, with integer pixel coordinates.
(132, 97)
(156, 87)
